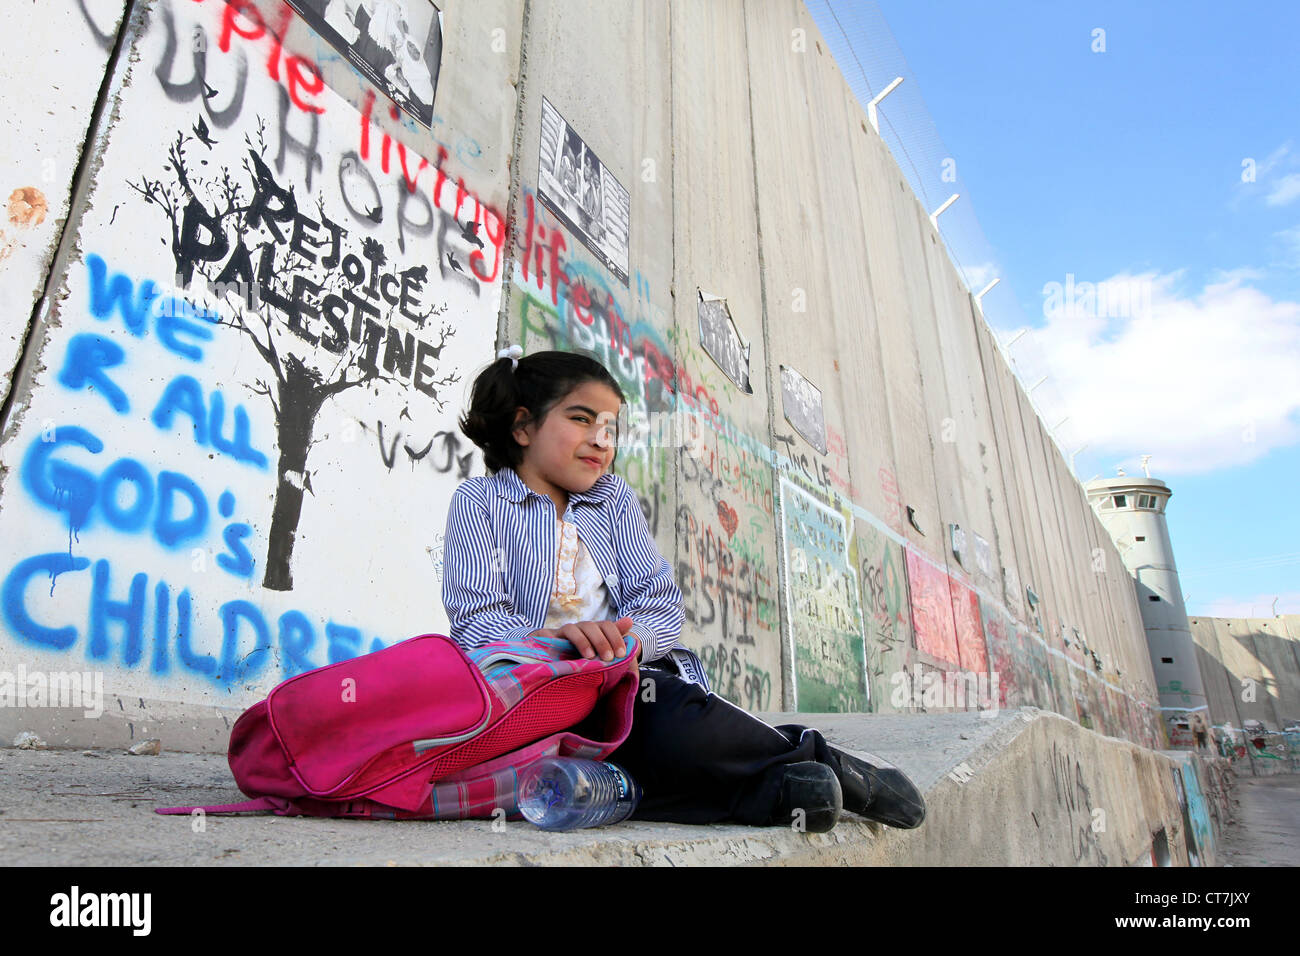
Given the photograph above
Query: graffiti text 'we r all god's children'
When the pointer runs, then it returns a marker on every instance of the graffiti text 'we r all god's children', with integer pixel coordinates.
(169, 506)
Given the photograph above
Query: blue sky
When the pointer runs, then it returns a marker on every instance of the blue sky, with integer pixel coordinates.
(1166, 165)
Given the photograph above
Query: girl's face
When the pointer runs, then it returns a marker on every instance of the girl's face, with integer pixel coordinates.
(574, 444)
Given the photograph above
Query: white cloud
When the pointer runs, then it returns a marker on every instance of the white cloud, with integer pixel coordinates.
(1240, 274)
(1199, 382)
(1277, 174)
(1285, 190)
(1270, 162)
(980, 275)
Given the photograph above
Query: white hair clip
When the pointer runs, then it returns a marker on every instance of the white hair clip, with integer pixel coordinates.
(512, 352)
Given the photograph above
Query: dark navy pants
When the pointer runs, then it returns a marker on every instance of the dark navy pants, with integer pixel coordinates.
(701, 759)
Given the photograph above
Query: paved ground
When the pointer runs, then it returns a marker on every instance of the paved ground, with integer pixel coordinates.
(95, 808)
(1266, 829)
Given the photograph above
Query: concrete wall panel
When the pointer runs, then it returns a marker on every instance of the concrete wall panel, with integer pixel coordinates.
(910, 480)
(1078, 564)
(958, 429)
(614, 94)
(1250, 671)
(803, 234)
(46, 136)
(1245, 671)
(1023, 477)
(1015, 556)
(190, 478)
(725, 524)
(1220, 689)
(917, 233)
(1040, 504)
(996, 465)
(1276, 654)
(987, 492)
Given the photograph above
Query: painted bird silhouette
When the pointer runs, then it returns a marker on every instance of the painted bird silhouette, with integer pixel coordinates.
(201, 131)
(454, 263)
(405, 413)
(208, 91)
(469, 232)
(376, 214)
(416, 274)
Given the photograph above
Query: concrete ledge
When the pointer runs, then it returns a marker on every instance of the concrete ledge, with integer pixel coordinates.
(125, 721)
(1024, 787)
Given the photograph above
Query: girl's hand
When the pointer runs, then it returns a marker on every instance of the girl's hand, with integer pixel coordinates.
(594, 638)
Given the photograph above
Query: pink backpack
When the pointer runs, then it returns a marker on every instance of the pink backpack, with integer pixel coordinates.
(423, 730)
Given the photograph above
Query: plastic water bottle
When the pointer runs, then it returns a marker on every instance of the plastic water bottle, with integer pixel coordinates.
(565, 793)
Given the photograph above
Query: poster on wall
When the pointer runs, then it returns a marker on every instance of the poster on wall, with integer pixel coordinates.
(802, 402)
(395, 44)
(582, 193)
(824, 608)
(886, 614)
(721, 339)
(932, 619)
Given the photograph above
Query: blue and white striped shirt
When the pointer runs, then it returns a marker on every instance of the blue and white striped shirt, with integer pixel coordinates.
(499, 561)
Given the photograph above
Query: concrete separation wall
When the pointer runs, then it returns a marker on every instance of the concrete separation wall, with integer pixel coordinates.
(230, 440)
(1251, 671)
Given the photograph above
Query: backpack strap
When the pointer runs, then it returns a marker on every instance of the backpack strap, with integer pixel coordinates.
(248, 806)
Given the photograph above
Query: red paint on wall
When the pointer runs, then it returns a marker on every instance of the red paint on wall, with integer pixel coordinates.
(932, 619)
(241, 18)
(970, 633)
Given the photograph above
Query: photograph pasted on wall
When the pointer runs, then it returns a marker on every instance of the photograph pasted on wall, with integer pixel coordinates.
(721, 339)
(801, 401)
(825, 612)
(582, 193)
(395, 44)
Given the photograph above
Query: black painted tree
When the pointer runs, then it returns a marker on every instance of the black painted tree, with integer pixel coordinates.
(301, 293)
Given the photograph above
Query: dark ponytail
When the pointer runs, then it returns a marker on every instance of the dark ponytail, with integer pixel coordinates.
(536, 384)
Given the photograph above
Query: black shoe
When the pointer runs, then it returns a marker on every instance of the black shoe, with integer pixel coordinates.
(876, 789)
(809, 799)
